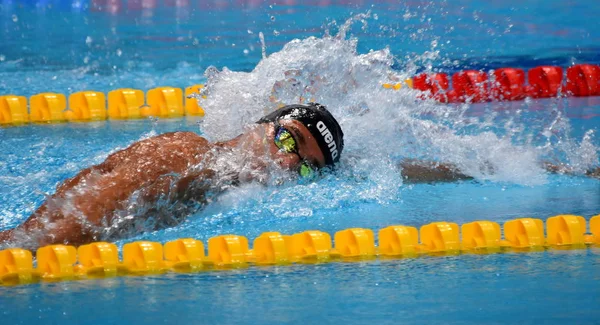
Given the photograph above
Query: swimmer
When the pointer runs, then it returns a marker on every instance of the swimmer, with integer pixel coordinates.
(157, 182)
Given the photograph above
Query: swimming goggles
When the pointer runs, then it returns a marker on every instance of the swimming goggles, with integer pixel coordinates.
(284, 140)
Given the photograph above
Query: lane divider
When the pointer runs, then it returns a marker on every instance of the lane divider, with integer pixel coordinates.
(508, 84)
(90, 105)
(101, 259)
(472, 86)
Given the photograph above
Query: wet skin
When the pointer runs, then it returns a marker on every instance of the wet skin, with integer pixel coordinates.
(166, 167)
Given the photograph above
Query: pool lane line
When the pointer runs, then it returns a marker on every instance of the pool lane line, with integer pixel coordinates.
(468, 86)
(101, 259)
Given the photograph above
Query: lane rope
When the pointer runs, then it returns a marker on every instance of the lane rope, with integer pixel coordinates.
(101, 259)
(469, 86)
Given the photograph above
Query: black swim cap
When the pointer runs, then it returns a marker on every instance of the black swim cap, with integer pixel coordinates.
(321, 124)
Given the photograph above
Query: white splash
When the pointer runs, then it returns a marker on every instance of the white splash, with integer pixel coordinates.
(380, 125)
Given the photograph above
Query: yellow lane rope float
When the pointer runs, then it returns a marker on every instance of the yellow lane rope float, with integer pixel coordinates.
(98, 260)
(85, 106)
(471, 86)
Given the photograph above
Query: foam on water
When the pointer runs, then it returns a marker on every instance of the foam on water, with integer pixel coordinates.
(382, 126)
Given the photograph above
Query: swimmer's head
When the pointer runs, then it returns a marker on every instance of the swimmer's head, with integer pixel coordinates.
(319, 122)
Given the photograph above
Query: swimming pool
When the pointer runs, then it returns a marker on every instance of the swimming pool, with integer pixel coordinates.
(68, 48)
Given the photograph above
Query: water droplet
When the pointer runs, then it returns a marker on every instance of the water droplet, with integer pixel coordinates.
(88, 40)
(119, 52)
(250, 32)
(245, 52)
(272, 18)
(211, 72)
(375, 16)
(15, 18)
(263, 45)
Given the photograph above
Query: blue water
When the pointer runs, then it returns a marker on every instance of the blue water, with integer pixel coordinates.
(55, 46)
(56, 43)
(551, 287)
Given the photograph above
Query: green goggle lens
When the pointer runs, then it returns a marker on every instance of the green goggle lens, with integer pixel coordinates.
(306, 170)
(286, 142)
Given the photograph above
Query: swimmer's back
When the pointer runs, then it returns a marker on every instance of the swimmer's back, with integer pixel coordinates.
(165, 153)
(90, 199)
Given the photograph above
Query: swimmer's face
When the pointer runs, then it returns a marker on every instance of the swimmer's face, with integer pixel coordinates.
(292, 146)
(261, 149)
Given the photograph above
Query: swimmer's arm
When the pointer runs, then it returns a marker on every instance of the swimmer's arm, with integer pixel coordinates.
(417, 171)
(195, 184)
(594, 173)
(566, 170)
(61, 230)
(47, 225)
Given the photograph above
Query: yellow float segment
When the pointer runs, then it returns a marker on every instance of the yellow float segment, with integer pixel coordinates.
(398, 240)
(595, 228)
(48, 107)
(228, 250)
(98, 259)
(355, 242)
(125, 103)
(396, 86)
(481, 234)
(185, 254)
(524, 232)
(192, 108)
(312, 244)
(440, 237)
(16, 266)
(143, 257)
(56, 262)
(271, 248)
(164, 102)
(13, 110)
(86, 106)
(565, 230)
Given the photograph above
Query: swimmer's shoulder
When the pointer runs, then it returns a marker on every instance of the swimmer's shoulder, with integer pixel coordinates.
(184, 136)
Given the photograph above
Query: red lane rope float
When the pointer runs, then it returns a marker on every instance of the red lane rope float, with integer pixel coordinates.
(508, 84)
(544, 81)
(583, 80)
(469, 86)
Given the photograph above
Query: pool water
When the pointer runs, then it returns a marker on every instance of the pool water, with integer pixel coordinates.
(55, 46)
